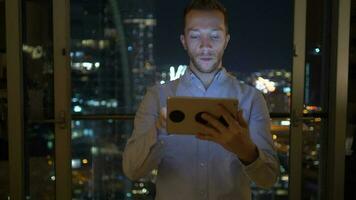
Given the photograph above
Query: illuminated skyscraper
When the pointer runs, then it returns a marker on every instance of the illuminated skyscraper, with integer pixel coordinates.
(139, 30)
(112, 64)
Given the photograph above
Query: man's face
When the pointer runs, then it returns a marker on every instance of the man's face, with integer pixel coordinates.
(205, 39)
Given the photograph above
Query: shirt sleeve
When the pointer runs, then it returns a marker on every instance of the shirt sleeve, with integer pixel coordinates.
(143, 150)
(264, 171)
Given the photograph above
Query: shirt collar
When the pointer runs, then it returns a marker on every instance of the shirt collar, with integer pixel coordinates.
(220, 76)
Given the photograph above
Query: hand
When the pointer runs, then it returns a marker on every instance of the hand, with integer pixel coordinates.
(161, 123)
(234, 138)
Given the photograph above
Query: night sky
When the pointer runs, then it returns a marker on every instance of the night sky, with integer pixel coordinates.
(261, 34)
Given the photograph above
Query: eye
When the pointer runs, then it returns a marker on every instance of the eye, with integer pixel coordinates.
(215, 36)
(194, 36)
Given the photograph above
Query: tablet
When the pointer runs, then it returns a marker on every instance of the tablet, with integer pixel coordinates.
(184, 113)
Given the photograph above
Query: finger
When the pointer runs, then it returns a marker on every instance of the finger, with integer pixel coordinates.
(241, 119)
(214, 122)
(228, 116)
(159, 124)
(203, 136)
(163, 122)
(206, 130)
(163, 112)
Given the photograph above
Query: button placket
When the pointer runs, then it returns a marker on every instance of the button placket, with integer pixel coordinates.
(202, 169)
(202, 164)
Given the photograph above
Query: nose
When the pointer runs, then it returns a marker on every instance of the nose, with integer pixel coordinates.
(205, 42)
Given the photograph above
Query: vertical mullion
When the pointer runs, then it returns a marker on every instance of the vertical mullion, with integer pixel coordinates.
(62, 99)
(15, 98)
(338, 98)
(298, 71)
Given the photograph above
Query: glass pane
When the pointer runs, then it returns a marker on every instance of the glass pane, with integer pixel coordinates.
(317, 65)
(97, 148)
(119, 48)
(4, 147)
(112, 55)
(317, 56)
(38, 99)
(280, 135)
(313, 158)
(96, 161)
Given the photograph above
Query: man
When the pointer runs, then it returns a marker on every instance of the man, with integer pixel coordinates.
(221, 162)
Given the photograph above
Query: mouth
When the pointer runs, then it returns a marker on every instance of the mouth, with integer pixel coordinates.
(206, 59)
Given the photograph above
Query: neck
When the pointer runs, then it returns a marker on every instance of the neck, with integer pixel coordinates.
(205, 78)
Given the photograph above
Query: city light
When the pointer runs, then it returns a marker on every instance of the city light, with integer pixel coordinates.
(50, 145)
(77, 109)
(141, 191)
(94, 150)
(50, 162)
(93, 102)
(35, 52)
(143, 21)
(103, 44)
(88, 132)
(285, 123)
(287, 90)
(77, 123)
(265, 85)
(285, 178)
(85, 66)
(76, 54)
(76, 163)
(76, 134)
(313, 108)
(173, 74)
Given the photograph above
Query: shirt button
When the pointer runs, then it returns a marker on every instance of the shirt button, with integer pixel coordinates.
(202, 164)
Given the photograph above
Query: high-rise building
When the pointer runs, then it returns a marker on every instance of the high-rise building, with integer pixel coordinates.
(112, 64)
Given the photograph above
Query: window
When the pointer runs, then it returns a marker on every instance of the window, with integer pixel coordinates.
(119, 48)
(37, 48)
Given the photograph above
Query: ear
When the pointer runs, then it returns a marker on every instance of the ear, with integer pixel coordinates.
(227, 40)
(182, 40)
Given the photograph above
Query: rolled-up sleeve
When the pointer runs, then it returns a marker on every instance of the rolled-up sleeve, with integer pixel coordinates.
(143, 152)
(264, 171)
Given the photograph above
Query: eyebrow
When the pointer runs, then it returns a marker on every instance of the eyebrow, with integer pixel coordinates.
(215, 29)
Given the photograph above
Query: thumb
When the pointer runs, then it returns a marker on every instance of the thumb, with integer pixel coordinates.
(164, 112)
(241, 119)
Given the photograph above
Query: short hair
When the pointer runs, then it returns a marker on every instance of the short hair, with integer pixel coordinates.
(206, 5)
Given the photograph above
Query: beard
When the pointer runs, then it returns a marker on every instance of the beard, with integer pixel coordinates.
(211, 67)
